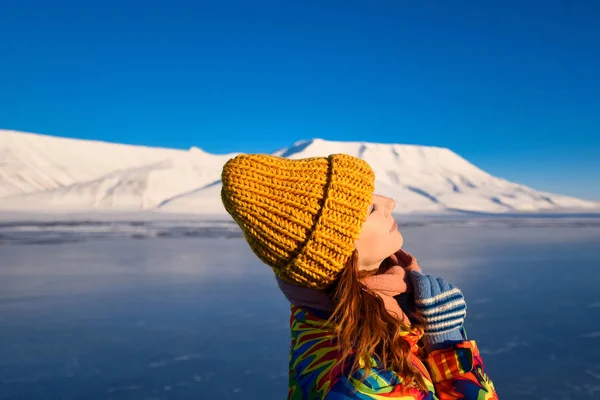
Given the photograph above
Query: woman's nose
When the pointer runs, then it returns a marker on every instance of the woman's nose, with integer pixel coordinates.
(391, 205)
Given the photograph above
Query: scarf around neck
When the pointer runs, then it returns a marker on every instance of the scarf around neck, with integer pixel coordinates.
(385, 285)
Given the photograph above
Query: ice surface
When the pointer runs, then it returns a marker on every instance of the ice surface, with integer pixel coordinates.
(198, 317)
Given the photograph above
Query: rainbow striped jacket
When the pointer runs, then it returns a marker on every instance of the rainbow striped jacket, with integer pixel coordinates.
(454, 373)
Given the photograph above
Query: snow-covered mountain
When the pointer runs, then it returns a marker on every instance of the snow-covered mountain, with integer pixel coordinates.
(48, 173)
(44, 173)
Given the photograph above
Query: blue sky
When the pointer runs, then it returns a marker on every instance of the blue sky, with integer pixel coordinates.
(512, 87)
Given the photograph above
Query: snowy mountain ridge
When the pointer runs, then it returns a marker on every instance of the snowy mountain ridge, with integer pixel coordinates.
(45, 173)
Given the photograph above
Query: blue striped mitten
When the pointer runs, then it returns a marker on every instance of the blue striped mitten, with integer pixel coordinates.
(442, 308)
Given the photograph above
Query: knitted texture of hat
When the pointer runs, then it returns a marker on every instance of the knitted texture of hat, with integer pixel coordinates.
(300, 217)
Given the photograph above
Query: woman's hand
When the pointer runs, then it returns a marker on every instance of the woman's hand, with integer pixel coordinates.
(405, 260)
(442, 308)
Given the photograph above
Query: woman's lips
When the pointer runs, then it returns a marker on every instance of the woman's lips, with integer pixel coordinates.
(394, 227)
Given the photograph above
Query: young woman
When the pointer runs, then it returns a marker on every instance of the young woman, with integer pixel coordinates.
(365, 322)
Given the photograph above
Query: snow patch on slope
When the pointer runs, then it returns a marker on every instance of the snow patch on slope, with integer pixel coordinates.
(43, 172)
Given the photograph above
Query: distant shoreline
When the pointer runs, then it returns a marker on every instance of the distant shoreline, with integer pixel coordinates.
(154, 216)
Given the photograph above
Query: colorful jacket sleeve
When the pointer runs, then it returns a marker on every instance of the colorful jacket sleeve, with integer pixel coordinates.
(459, 373)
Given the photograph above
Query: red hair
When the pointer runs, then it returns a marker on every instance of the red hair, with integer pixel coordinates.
(364, 328)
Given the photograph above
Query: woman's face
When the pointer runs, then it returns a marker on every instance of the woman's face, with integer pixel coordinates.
(379, 237)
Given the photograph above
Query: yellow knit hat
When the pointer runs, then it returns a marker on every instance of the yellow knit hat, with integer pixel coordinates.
(300, 217)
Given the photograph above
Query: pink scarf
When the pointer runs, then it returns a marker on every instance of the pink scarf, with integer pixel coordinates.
(386, 285)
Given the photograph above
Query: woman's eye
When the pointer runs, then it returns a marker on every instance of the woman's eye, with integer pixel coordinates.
(374, 208)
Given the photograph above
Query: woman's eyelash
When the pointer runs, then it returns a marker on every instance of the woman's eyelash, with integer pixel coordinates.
(374, 208)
